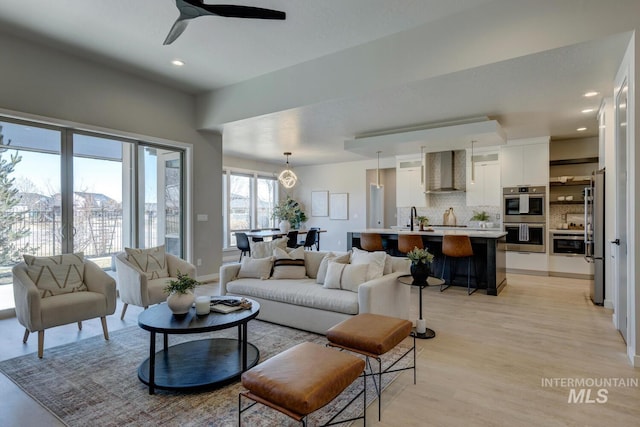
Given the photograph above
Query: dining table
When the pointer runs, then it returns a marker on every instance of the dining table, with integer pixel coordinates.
(275, 233)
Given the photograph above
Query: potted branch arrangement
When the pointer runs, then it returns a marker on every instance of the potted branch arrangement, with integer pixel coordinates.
(421, 260)
(180, 292)
(290, 214)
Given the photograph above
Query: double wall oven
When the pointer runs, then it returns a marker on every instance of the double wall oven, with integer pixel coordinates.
(525, 218)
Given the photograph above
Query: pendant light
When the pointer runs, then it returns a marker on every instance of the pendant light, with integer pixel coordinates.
(287, 178)
(378, 171)
(473, 164)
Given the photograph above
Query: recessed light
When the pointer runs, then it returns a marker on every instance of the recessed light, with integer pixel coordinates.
(588, 110)
(590, 94)
(581, 129)
(177, 63)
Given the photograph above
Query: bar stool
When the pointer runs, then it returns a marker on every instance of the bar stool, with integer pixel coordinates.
(371, 242)
(406, 242)
(456, 246)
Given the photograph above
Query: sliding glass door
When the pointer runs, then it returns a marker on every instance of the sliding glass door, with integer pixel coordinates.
(65, 191)
(30, 185)
(99, 196)
(160, 207)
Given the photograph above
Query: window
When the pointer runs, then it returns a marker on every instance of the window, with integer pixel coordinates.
(249, 199)
(75, 191)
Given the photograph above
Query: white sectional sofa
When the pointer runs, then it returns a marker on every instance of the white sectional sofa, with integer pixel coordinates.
(304, 304)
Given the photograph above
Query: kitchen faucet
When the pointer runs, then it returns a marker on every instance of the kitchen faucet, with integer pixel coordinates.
(414, 213)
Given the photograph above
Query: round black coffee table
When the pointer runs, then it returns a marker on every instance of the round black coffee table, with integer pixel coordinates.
(198, 364)
(431, 281)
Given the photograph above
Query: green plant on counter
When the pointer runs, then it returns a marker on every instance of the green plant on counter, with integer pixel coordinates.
(420, 256)
(480, 216)
(422, 220)
(182, 285)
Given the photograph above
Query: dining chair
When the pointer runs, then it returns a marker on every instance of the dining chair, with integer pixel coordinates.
(310, 239)
(293, 239)
(317, 237)
(242, 243)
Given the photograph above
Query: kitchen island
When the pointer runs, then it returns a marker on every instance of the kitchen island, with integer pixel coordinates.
(488, 248)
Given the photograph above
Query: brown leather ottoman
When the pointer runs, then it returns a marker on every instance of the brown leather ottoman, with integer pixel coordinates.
(301, 380)
(373, 335)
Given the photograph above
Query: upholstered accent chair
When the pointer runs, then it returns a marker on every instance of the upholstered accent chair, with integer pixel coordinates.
(143, 274)
(58, 290)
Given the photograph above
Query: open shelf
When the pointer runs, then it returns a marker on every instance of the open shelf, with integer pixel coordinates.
(570, 183)
(573, 161)
(566, 202)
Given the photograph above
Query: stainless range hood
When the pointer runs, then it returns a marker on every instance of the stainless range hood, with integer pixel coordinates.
(443, 166)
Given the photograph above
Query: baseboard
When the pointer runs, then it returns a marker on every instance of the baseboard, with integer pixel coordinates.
(608, 303)
(571, 275)
(529, 272)
(634, 358)
(7, 313)
(209, 278)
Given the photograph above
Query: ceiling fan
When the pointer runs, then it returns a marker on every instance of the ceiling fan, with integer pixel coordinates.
(190, 9)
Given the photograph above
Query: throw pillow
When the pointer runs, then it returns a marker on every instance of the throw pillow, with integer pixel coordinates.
(345, 276)
(56, 275)
(322, 270)
(388, 265)
(265, 249)
(255, 268)
(375, 260)
(151, 261)
(289, 265)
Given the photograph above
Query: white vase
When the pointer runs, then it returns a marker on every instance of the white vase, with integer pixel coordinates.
(180, 303)
(285, 226)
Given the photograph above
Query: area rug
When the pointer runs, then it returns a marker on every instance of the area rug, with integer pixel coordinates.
(95, 382)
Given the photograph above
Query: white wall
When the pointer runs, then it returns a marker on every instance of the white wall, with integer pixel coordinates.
(349, 177)
(38, 81)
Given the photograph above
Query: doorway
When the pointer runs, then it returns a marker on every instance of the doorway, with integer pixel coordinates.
(620, 242)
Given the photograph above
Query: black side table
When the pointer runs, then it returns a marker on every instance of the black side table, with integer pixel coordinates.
(431, 281)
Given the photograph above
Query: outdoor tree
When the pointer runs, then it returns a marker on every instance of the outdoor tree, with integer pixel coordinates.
(11, 230)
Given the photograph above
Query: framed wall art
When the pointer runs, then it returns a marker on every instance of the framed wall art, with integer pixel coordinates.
(319, 203)
(339, 206)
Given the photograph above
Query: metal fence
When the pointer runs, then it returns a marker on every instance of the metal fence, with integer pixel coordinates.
(97, 232)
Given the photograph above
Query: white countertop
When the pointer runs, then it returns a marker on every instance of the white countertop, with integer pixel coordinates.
(492, 233)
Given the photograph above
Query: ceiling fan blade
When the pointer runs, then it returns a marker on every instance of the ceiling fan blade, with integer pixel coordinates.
(234, 11)
(178, 28)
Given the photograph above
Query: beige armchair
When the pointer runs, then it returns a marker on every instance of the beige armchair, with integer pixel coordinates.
(136, 289)
(37, 314)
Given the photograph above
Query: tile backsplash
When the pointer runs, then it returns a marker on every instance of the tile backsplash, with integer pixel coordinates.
(439, 203)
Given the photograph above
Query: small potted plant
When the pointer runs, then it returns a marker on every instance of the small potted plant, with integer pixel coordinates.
(421, 260)
(481, 218)
(423, 222)
(180, 293)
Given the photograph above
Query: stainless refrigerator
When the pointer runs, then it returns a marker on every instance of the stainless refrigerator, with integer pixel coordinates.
(594, 233)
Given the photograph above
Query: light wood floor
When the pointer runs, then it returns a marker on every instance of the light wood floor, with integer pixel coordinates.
(485, 367)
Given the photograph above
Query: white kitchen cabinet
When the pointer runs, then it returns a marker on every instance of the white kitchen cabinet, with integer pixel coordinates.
(527, 263)
(526, 164)
(409, 183)
(486, 189)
